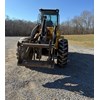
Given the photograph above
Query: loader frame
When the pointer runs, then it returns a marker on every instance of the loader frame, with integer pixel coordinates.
(44, 37)
(51, 53)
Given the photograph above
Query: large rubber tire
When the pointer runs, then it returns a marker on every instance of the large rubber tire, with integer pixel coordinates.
(30, 54)
(22, 50)
(62, 54)
(20, 54)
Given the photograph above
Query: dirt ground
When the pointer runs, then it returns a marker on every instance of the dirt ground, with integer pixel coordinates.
(75, 82)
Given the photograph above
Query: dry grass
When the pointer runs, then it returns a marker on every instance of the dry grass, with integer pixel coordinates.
(81, 40)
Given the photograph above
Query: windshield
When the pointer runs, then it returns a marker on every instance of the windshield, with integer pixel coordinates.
(51, 20)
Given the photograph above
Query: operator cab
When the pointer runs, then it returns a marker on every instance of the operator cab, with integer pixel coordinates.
(52, 17)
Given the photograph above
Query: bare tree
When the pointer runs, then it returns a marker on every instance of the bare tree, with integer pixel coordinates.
(83, 24)
(18, 27)
(87, 21)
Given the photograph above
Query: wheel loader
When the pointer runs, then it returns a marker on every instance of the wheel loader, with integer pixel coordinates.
(45, 39)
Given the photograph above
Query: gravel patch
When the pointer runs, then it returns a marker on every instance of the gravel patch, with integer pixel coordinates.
(75, 82)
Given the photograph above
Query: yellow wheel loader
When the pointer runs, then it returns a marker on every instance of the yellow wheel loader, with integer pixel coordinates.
(45, 39)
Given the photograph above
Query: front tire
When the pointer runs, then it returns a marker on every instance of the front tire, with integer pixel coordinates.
(62, 54)
(19, 55)
(21, 51)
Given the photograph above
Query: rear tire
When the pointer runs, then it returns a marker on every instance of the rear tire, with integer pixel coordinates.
(62, 54)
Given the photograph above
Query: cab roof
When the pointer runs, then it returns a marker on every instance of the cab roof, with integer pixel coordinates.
(49, 11)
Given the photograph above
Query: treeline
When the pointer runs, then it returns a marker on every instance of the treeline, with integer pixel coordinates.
(15, 27)
(83, 24)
